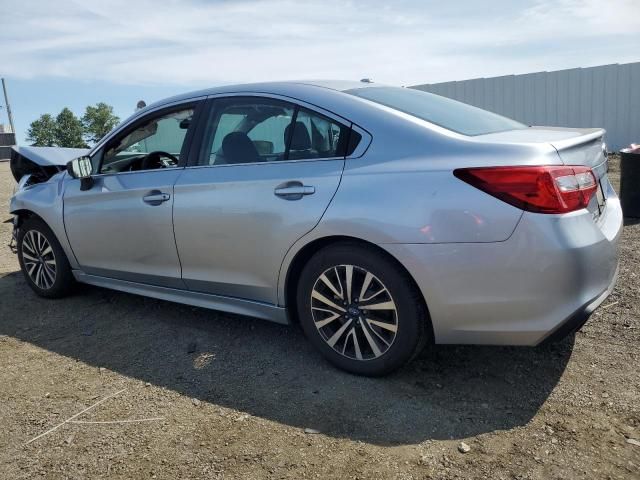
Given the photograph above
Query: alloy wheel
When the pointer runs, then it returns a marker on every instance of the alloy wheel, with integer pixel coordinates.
(354, 312)
(39, 259)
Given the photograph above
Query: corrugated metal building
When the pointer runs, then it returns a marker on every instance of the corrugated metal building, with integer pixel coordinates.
(606, 96)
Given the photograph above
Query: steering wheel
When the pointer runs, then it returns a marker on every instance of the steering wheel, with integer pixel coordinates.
(153, 160)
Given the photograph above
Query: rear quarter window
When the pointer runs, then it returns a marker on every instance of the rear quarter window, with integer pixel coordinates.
(444, 112)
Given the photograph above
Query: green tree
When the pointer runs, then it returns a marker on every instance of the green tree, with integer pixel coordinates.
(69, 130)
(98, 121)
(42, 132)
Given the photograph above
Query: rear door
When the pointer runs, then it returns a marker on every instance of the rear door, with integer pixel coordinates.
(266, 173)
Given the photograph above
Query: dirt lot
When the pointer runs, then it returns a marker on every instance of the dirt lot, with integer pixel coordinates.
(230, 397)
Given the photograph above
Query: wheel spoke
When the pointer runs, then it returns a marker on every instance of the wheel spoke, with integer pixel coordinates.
(47, 250)
(39, 241)
(349, 280)
(28, 257)
(27, 242)
(372, 343)
(356, 345)
(320, 309)
(354, 339)
(373, 295)
(336, 336)
(39, 276)
(31, 269)
(48, 275)
(380, 306)
(365, 285)
(337, 274)
(49, 267)
(387, 326)
(327, 321)
(45, 279)
(346, 340)
(318, 296)
(382, 339)
(331, 286)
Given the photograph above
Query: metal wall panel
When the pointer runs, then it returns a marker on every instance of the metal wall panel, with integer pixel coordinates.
(607, 96)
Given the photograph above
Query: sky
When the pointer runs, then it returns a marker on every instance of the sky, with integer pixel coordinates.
(56, 54)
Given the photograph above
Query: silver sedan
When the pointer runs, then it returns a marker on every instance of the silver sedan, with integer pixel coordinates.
(381, 219)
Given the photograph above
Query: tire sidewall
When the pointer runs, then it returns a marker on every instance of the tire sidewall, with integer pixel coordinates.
(411, 321)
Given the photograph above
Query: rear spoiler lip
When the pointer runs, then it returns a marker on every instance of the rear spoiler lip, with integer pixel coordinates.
(589, 136)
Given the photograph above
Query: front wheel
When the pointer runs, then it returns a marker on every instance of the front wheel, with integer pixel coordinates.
(361, 310)
(42, 260)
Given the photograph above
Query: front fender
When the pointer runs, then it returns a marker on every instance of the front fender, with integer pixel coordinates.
(46, 201)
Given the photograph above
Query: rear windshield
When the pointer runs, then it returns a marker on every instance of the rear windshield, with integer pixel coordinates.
(444, 112)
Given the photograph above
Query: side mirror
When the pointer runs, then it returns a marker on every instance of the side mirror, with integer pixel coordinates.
(81, 168)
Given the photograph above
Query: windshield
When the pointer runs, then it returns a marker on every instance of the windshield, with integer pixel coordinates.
(444, 112)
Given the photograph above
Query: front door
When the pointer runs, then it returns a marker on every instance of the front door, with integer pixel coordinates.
(122, 227)
(267, 172)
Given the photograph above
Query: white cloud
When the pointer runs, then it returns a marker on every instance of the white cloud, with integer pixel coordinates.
(406, 42)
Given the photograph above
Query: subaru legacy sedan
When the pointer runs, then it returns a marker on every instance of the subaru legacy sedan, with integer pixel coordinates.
(381, 219)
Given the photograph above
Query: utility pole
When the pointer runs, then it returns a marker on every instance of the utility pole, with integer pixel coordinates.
(6, 102)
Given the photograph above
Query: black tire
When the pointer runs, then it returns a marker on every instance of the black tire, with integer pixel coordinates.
(412, 322)
(63, 279)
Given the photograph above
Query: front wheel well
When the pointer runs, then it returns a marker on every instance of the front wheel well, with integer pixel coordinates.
(305, 254)
(25, 215)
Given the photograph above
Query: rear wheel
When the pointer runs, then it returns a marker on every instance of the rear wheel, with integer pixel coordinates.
(361, 310)
(42, 260)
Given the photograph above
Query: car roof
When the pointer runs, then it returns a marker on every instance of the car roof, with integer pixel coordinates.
(281, 87)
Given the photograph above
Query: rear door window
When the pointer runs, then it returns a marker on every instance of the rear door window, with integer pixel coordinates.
(246, 130)
(255, 130)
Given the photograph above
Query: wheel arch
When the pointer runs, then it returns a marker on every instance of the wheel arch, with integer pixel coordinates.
(25, 214)
(307, 251)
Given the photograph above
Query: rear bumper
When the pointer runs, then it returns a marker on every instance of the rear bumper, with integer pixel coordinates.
(541, 283)
(577, 320)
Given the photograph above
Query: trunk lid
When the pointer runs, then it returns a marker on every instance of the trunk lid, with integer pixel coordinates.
(576, 146)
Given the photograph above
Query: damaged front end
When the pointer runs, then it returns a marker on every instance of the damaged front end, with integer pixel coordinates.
(40, 163)
(31, 167)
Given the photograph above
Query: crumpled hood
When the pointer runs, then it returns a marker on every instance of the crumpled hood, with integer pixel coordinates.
(42, 162)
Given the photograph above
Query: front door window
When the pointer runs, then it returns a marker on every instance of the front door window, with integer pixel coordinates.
(155, 143)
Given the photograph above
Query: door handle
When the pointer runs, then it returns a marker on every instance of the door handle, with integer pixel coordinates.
(156, 197)
(294, 190)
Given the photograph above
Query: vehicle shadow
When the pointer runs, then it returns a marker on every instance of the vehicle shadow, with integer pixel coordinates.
(270, 371)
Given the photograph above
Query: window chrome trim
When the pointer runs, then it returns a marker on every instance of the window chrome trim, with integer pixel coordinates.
(275, 162)
(110, 174)
(285, 98)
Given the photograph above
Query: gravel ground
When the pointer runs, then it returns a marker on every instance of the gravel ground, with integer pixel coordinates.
(230, 397)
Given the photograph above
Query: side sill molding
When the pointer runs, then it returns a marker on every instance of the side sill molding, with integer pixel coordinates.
(197, 299)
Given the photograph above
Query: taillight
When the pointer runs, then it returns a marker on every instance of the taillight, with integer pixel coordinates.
(541, 189)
